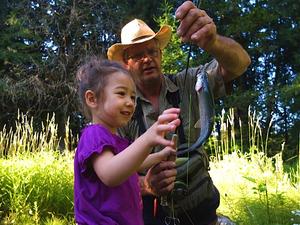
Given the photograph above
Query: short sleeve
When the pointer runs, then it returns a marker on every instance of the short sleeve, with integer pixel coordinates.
(94, 140)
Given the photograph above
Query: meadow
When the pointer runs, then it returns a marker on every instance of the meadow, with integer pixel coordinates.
(36, 175)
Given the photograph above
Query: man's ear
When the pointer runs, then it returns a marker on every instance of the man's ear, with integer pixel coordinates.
(90, 99)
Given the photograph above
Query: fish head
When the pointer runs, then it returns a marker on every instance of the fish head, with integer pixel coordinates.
(200, 81)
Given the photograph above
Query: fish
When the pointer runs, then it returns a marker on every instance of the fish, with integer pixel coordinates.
(206, 113)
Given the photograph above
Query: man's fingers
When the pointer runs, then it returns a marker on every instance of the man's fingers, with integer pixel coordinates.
(189, 22)
(197, 24)
(161, 177)
(167, 187)
(184, 9)
(165, 165)
(164, 183)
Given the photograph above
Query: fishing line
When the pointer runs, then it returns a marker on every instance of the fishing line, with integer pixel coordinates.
(197, 3)
(172, 218)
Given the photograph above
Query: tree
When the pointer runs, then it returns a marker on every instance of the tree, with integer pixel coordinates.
(43, 42)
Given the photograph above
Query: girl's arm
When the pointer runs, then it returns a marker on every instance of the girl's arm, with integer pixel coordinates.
(115, 169)
(157, 157)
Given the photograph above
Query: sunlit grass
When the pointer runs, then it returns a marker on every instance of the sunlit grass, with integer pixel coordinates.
(255, 189)
(36, 176)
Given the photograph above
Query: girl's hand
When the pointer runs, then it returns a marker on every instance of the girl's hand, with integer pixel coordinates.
(167, 122)
(167, 153)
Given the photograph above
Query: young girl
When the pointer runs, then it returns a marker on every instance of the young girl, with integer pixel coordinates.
(106, 187)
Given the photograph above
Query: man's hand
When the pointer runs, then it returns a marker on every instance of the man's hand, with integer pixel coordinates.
(160, 178)
(195, 26)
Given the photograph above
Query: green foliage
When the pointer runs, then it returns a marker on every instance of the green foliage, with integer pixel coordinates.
(175, 55)
(18, 44)
(290, 95)
(174, 58)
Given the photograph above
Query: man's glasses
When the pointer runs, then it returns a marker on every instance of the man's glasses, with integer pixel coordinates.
(142, 55)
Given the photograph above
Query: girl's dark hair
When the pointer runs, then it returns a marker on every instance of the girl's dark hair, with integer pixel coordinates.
(92, 75)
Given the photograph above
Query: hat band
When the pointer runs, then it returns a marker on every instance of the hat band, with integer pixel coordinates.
(142, 37)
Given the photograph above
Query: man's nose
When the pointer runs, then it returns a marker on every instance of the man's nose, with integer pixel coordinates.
(146, 56)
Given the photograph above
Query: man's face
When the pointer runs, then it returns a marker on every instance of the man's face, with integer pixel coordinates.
(144, 62)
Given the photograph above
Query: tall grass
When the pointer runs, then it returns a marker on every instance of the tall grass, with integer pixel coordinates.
(255, 189)
(36, 176)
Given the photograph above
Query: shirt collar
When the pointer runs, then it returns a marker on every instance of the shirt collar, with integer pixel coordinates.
(167, 86)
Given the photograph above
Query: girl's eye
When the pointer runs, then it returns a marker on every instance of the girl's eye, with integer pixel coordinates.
(133, 97)
(122, 93)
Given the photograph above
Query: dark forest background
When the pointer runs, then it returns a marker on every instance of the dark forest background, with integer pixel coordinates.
(42, 43)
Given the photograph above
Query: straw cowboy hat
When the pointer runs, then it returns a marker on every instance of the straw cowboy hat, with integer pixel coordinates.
(137, 31)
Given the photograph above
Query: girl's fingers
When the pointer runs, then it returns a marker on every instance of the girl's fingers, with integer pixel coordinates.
(167, 122)
(175, 122)
(167, 152)
(166, 125)
(171, 111)
(166, 118)
(165, 142)
(163, 128)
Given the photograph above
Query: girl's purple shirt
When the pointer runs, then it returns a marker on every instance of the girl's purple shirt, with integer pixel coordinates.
(94, 202)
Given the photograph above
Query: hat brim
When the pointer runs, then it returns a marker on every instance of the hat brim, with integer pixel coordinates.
(163, 36)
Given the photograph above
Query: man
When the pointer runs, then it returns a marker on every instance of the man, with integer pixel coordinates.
(141, 50)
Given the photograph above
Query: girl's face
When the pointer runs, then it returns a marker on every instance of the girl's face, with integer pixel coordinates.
(116, 105)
